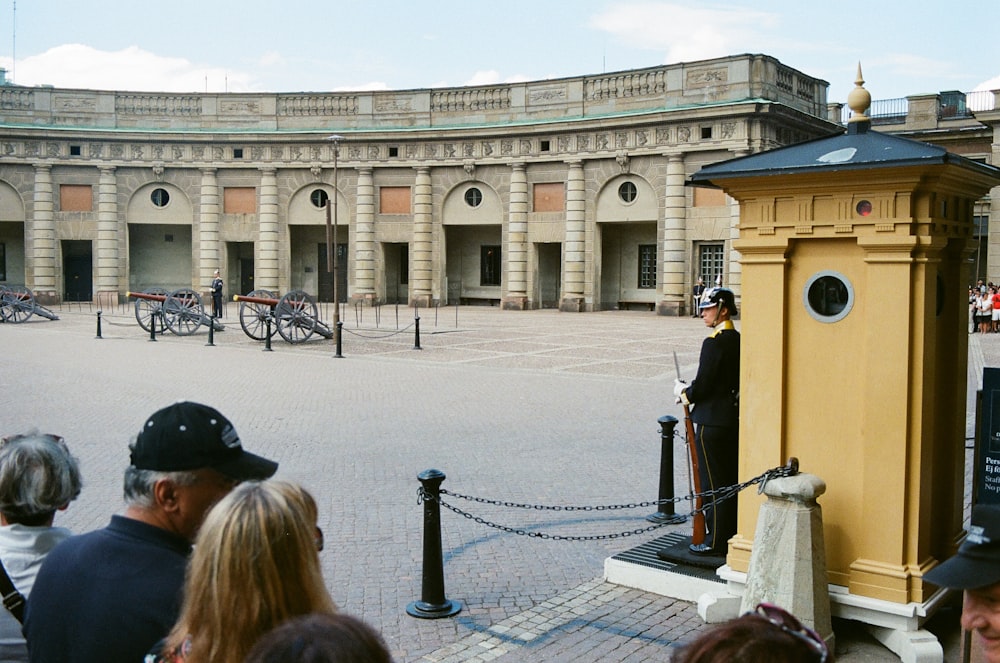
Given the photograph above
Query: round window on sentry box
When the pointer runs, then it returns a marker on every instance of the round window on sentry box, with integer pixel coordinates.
(829, 296)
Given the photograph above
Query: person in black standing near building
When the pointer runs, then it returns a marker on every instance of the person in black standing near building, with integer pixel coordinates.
(714, 399)
(217, 295)
(696, 293)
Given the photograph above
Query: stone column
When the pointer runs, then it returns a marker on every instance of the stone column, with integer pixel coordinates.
(41, 252)
(423, 246)
(267, 273)
(208, 222)
(674, 239)
(574, 270)
(516, 298)
(364, 241)
(107, 237)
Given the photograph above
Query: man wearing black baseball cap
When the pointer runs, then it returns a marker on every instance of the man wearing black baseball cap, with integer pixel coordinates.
(976, 570)
(111, 594)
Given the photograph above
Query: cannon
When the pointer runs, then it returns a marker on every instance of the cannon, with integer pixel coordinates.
(294, 316)
(180, 311)
(17, 304)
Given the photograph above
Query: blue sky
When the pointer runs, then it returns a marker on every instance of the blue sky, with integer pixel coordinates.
(322, 45)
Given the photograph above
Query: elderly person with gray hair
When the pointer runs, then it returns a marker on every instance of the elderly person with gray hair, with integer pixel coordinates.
(38, 476)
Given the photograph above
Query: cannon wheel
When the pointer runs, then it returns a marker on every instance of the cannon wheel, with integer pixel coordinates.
(296, 316)
(183, 311)
(254, 316)
(145, 310)
(17, 303)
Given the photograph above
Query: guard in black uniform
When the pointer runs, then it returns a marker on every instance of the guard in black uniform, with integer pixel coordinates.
(217, 295)
(714, 399)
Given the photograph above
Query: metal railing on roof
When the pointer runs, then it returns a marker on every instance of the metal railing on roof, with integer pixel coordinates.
(952, 106)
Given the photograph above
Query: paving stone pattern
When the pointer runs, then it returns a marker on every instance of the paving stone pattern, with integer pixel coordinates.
(535, 407)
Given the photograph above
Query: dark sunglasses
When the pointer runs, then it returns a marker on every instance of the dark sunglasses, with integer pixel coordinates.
(790, 624)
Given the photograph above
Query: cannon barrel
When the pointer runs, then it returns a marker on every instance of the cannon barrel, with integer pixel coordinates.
(263, 301)
(148, 296)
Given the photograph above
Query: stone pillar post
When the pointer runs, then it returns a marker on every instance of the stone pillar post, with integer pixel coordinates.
(516, 298)
(788, 562)
(573, 272)
(107, 237)
(41, 252)
(267, 273)
(208, 222)
(674, 239)
(364, 241)
(423, 246)
(734, 280)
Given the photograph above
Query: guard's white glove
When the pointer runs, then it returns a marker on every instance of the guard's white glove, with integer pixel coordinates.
(679, 387)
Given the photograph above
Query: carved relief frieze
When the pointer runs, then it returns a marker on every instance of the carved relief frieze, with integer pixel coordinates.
(198, 151)
(137, 152)
(411, 151)
(506, 147)
(277, 152)
(295, 152)
(239, 107)
(32, 149)
(641, 138)
(52, 150)
(621, 139)
(525, 146)
(487, 148)
(354, 152)
(176, 152)
(563, 143)
(373, 151)
(699, 78)
(257, 153)
(449, 150)
(601, 141)
(582, 142)
(728, 129)
(8, 149)
(117, 151)
(70, 104)
(315, 153)
(549, 94)
(683, 134)
(468, 149)
(393, 104)
(157, 151)
(662, 135)
(95, 150)
(430, 150)
(218, 154)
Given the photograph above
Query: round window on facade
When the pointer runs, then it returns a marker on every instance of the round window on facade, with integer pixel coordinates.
(473, 197)
(319, 198)
(863, 208)
(159, 197)
(829, 296)
(627, 192)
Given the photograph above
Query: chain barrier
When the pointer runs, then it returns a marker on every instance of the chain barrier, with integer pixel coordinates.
(723, 494)
(379, 336)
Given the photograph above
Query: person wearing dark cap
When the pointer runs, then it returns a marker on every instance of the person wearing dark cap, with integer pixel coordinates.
(714, 397)
(111, 594)
(975, 569)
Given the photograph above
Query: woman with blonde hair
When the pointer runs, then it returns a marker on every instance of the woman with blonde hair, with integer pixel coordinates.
(255, 565)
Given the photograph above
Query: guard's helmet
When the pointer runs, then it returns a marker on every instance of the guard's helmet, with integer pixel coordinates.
(718, 296)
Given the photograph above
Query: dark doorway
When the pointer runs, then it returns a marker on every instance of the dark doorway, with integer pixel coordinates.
(325, 282)
(246, 275)
(397, 273)
(549, 274)
(78, 271)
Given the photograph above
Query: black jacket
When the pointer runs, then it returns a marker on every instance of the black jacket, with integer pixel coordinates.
(714, 393)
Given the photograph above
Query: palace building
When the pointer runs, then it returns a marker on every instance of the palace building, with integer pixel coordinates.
(567, 193)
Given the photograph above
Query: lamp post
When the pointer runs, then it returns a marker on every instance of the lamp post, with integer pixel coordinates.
(331, 251)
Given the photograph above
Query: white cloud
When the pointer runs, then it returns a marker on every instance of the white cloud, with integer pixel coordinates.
(991, 84)
(271, 59)
(80, 66)
(492, 76)
(686, 33)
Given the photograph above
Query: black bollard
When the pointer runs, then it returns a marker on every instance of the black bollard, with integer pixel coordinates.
(211, 331)
(665, 511)
(98, 324)
(152, 326)
(340, 336)
(416, 334)
(267, 335)
(432, 603)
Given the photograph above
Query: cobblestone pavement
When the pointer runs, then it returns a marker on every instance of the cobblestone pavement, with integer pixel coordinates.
(531, 407)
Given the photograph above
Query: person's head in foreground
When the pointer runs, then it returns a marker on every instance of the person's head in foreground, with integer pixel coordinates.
(976, 570)
(335, 638)
(255, 565)
(769, 633)
(38, 476)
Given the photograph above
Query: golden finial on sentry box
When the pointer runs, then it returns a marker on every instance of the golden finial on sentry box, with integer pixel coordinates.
(859, 100)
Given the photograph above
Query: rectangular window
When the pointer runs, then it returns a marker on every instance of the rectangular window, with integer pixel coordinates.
(76, 198)
(647, 265)
(549, 197)
(489, 265)
(394, 200)
(239, 200)
(711, 261)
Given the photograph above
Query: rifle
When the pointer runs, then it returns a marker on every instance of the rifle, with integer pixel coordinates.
(698, 517)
